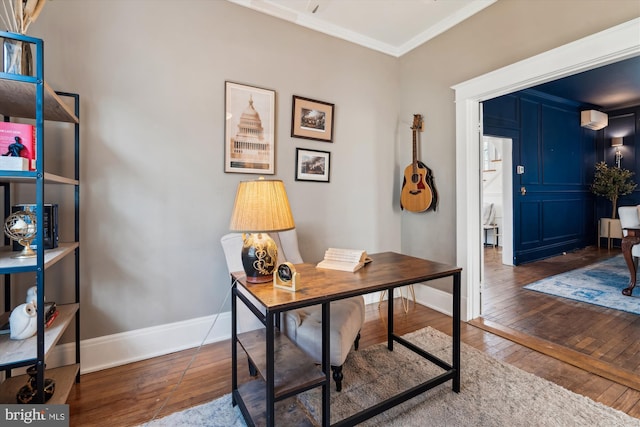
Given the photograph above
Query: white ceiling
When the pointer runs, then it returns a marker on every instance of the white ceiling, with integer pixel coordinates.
(393, 27)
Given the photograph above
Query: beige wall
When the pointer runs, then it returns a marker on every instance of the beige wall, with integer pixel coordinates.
(504, 33)
(155, 199)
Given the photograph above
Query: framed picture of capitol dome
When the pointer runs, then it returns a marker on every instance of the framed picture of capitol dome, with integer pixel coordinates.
(249, 135)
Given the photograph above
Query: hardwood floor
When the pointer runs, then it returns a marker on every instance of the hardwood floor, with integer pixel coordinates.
(133, 394)
(606, 335)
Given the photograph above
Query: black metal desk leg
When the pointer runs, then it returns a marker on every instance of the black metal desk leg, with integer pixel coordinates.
(326, 360)
(234, 344)
(456, 331)
(390, 318)
(271, 395)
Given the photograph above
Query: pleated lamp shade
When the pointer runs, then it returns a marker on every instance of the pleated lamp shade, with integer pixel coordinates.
(261, 206)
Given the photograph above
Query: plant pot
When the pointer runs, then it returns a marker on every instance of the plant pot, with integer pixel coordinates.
(610, 229)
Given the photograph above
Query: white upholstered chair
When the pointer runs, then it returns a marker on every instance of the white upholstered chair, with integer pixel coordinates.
(630, 218)
(304, 326)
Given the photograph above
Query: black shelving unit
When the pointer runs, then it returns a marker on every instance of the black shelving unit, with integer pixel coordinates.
(29, 97)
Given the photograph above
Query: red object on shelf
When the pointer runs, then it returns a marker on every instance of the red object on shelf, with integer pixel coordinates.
(51, 319)
(27, 135)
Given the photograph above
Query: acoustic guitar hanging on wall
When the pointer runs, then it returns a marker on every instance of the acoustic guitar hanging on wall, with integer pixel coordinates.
(418, 189)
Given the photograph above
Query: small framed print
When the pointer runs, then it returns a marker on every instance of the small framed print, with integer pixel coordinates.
(249, 133)
(312, 119)
(312, 165)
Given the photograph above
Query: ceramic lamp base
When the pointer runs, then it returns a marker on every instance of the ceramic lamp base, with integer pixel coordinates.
(259, 257)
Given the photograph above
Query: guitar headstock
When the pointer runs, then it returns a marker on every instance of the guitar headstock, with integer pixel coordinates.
(417, 122)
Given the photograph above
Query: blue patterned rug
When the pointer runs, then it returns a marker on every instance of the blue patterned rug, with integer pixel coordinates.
(600, 284)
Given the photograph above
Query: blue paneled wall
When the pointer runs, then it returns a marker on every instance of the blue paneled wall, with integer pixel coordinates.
(553, 209)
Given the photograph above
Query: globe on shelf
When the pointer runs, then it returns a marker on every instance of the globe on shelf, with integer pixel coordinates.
(21, 227)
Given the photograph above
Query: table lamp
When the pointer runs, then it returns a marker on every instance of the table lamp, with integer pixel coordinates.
(261, 206)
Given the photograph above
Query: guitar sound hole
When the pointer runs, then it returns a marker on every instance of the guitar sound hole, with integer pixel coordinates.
(415, 178)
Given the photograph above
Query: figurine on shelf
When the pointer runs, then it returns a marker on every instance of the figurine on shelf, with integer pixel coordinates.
(32, 295)
(15, 148)
(23, 321)
(28, 392)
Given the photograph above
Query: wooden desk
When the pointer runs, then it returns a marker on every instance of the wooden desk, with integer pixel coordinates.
(287, 371)
(632, 238)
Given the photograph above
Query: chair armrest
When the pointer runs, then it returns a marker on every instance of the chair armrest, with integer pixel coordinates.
(292, 320)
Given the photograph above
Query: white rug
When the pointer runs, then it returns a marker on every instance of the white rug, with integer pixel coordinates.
(492, 393)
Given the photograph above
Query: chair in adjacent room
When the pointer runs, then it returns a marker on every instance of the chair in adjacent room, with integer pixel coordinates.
(488, 223)
(304, 326)
(630, 218)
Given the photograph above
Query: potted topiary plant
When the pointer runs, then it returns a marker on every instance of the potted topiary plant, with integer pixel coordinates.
(611, 182)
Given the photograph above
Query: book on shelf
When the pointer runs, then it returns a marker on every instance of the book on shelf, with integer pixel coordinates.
(49, 310)
(344, 259)
(26, 135)
(50, 320)
(8, 163)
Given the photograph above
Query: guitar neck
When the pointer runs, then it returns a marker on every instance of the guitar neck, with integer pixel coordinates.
(417, 124)
(415, 152)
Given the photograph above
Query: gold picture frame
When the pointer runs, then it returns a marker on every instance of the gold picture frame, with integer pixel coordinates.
(311, 119)
(249, 136)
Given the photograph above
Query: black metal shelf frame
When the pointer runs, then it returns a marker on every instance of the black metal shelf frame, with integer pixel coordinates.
(38, 178)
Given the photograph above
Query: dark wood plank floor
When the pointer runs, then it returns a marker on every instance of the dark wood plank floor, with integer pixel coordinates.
(132, 394)
(608, 335)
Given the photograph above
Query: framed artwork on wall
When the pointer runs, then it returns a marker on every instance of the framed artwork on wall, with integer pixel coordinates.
(312, 119)
(249, 133)
(312, 165)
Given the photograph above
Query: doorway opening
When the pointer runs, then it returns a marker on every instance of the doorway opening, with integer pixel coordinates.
(497, 200)
(612, 45)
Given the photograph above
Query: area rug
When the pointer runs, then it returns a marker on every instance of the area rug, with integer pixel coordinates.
(600, 284)
(492, 393)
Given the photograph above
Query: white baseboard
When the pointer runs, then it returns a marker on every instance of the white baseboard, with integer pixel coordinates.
(435, 299)
(127, 347)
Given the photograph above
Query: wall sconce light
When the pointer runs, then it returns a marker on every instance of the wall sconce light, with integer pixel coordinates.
(617, 142)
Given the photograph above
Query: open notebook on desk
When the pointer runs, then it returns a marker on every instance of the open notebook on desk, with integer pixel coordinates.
(344, 259)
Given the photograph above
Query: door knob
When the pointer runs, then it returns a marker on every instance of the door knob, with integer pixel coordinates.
(523, 191)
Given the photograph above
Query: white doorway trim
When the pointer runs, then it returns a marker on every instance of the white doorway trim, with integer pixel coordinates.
(612, 45)
(507, 202)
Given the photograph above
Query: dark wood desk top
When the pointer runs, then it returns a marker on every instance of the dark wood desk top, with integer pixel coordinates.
(388, 269)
